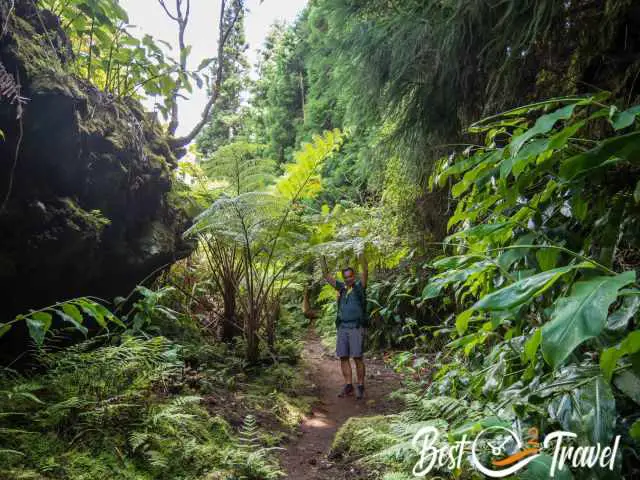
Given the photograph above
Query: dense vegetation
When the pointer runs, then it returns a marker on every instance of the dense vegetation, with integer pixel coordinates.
(482, 155)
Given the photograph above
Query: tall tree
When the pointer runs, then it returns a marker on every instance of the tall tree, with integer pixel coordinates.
(279, 95)
(230, 12)
(228, 121)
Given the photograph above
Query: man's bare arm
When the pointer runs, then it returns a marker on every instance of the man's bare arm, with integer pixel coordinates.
(325, 272)
(365, 270)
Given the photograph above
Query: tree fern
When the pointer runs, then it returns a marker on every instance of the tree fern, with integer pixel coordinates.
(302, 177)
(266, 229)
(242, 167)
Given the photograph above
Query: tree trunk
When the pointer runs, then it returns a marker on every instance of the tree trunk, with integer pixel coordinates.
(251, 335)
(230, 327)
(306, 305)
(272, 321)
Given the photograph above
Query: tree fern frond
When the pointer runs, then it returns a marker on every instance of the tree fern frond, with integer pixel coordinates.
(157, 459)
(138, 439)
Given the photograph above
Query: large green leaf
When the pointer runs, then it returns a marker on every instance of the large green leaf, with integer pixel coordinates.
(580, 316)
(543, 125)
(628, 383)
(525, 156)
(38, 324)
(69, 319)
(634, 431)
(540, 469)
(589, 411)
(456, 262)
(614, 149)
(595, 414)
(619, 320)
(620, 120)
(610, 356)
(4, 328)
(73, 312)
(547, 258)
(531, 345)
(438, 282)
(525, 290)
(462, 321)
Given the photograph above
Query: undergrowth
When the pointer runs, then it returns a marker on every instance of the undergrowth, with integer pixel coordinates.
(140, 407)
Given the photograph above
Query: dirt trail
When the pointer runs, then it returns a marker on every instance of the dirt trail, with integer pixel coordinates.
(306, 457)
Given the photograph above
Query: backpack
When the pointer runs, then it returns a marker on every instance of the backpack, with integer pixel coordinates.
(361, 295)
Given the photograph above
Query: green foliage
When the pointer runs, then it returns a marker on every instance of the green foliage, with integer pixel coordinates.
(251, 459)
(107, 54)
(133, 409)
(264, 228)
(543, 296)
(241, 166)
(361, 436)
(149, 311)
(72, 311)
(425, 69)
(279, 94)
(581, 316)
(193, 191)
(229, 121)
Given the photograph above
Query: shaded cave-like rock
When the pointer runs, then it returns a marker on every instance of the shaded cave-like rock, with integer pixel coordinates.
(89, 210)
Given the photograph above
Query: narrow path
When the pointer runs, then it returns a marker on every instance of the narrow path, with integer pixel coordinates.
(306, 457)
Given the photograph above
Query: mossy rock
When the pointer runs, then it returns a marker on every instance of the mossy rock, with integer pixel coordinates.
(89, 212)
(360, 436)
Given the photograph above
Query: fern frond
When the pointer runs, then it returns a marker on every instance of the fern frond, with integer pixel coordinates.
(10, 89)
(396, 476)
(157, 459)
(138, 439)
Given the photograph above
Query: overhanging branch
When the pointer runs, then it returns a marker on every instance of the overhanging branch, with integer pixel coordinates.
(223, 37)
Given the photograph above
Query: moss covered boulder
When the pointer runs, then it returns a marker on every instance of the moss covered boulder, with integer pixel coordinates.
(84, 177)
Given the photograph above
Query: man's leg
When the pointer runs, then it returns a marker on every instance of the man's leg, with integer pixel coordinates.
(357, 347)
(345, 366)
(342, 351)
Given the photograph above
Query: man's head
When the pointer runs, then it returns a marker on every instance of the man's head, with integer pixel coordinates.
(349, 276)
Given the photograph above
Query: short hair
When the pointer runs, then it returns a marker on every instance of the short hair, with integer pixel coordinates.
(348, 269)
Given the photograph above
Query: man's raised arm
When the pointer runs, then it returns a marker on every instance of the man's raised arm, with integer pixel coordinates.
(325, 272)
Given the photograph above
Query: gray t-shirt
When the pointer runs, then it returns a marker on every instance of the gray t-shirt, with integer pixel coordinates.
(350, 309)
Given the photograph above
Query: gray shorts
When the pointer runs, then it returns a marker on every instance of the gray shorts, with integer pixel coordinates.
(350, 342)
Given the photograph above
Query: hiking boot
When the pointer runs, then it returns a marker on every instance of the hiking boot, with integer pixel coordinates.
(347, 389)
(359, 392)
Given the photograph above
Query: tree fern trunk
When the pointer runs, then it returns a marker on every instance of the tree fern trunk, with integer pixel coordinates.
(251, 333)
(230, 327)
(272, 321)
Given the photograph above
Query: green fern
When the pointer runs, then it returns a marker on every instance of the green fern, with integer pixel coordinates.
(249, 434)
(396, 476)
(241, 168)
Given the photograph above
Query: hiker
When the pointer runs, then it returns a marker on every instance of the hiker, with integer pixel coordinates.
(351, 323)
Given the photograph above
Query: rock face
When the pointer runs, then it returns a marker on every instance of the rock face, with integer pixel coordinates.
(85, 178)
